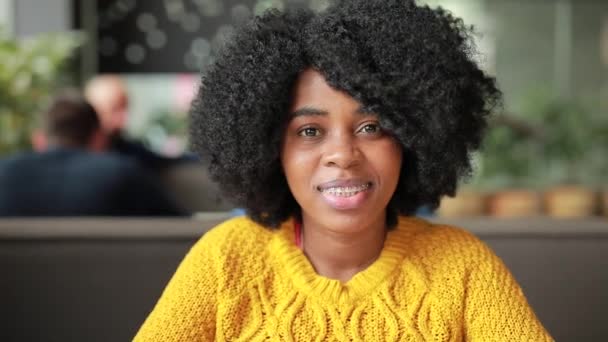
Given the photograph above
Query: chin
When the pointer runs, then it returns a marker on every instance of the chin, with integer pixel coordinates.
(347, 221)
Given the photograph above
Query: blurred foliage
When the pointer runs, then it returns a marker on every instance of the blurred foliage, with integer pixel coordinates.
(551, 141)
(166, 131)
(30, 71)
(508, 155)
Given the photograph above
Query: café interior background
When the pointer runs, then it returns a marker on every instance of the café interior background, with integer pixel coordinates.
(550, 58)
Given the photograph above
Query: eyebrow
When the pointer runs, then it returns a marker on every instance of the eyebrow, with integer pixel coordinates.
(308, 111)
(311, 111)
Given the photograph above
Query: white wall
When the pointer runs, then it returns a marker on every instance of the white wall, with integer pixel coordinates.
(6, 15)
(36, 16)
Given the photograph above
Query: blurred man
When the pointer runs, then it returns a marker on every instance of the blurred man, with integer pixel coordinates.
(108, 95)
(184, 177)
(66, 177)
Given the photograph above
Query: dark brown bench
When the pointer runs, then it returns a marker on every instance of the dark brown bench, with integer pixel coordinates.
(96, 279)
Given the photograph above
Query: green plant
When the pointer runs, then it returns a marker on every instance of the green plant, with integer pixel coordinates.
(571, 134)
(30, 70)
(552, 141)
(594, 166)
(166, 131)
(508, 157)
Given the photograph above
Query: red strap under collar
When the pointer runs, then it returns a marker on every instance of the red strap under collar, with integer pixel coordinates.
(297, 226)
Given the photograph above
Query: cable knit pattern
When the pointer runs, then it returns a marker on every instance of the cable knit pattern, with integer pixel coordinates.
(242, 282)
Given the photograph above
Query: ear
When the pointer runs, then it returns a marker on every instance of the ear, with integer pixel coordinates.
(39, 140)
(99, 141)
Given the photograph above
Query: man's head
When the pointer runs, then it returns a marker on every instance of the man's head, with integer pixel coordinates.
(108, 95)
(69, 121)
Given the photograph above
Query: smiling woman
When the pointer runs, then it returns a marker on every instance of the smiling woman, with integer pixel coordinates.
(331, 129)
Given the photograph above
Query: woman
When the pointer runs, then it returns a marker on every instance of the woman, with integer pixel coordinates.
(331, 129)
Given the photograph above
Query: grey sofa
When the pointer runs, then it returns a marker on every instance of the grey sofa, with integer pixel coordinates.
(97, 279)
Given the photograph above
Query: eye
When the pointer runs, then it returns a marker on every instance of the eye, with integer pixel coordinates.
(370, 128)
(309, 132)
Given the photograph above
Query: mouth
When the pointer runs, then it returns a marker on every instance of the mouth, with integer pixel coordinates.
(344, 190)
(345, 194)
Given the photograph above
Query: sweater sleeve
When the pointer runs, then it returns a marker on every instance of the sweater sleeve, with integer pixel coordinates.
(495, 306)
(186, 310)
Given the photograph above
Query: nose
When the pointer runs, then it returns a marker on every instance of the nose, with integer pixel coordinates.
(341, 151)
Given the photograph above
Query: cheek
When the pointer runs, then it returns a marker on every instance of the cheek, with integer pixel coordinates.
(388, 158)
(298, 171)
(296, 164)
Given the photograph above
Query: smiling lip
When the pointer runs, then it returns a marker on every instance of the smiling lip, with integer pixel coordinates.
(343, 183)
(345, 194)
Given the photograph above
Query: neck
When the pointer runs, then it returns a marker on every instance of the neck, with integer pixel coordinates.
(341, 255)
(54, 143)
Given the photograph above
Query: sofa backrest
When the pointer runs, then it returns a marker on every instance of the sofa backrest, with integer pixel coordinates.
(97, 279)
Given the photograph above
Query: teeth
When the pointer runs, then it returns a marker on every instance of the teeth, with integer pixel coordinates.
(346, 191)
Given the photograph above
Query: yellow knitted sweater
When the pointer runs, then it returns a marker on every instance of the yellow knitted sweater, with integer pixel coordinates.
(242, 282)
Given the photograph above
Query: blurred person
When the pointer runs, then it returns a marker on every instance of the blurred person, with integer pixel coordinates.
(108, 95)
(67, 176)
(182, 176)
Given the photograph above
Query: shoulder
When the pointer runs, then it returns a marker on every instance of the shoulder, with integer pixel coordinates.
(234, 251)
(25, 163)
(110, 166)
(436, 232)
(237, 229)
(112, 160)
(239, 236)
(444, 243)
(23, 158)
(15, 170)
(142, 154)
(9, 162)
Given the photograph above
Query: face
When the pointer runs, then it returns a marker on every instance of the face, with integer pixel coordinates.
(341, 167)
(109, 97)
(113, 112)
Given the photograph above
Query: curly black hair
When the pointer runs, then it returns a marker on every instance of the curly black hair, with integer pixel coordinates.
(412, 65)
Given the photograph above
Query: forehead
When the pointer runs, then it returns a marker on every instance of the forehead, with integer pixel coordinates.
(312, 90)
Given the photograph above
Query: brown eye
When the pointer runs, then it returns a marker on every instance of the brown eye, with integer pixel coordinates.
(371, 128)
(309, 132)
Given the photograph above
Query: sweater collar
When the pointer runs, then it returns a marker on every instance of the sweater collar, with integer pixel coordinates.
(296, 265)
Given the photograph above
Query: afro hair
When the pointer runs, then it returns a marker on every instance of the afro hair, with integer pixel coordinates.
(412, 65)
